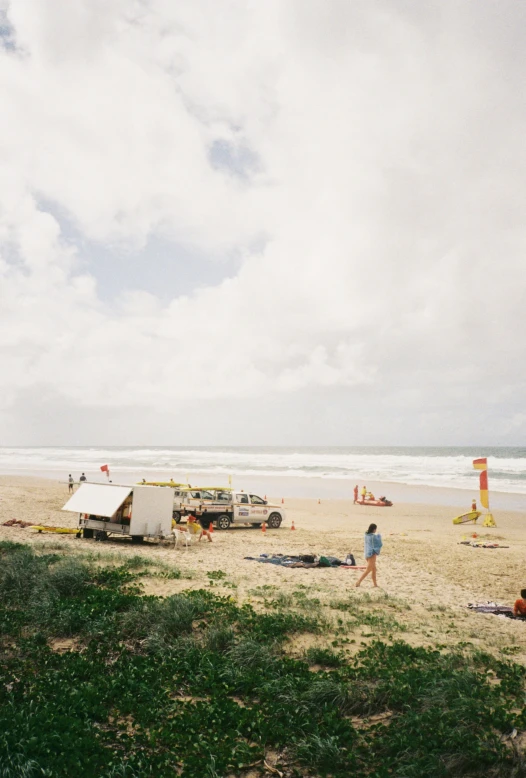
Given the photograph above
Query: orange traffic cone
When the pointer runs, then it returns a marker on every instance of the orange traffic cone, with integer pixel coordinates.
(293, 527)
(264, 527)
(211, 527)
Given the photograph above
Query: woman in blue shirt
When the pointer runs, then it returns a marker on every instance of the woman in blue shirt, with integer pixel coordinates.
(372, 547)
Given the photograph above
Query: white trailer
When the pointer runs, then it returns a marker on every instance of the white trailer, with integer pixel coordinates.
(133, 511)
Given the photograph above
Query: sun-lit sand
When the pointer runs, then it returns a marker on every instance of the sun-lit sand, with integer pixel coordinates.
(427, 575)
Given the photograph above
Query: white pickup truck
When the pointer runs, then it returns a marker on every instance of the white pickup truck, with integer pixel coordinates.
(227, 507)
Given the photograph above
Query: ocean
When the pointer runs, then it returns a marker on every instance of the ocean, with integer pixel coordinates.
(449, 468)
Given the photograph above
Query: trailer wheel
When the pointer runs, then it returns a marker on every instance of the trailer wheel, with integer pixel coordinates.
(87, 533)
(177, 516)
(101, 534)
(274, 520)
(223, 521)
(137, 538)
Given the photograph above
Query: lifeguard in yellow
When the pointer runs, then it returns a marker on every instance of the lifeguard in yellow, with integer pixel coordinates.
(363, 492)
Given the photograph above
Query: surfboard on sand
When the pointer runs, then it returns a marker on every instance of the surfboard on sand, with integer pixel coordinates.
(465, 518)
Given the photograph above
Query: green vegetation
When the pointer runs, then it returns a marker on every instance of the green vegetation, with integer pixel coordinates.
(99, 681)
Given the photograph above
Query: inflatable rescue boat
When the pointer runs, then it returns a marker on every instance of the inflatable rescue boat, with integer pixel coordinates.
(382, 502)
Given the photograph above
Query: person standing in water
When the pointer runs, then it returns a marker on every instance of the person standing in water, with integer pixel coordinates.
(372, 547)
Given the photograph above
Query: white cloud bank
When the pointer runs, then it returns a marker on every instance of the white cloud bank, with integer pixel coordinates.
(372, 152)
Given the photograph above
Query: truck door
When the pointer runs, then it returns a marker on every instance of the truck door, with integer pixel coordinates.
(242, 507)
(258, 508)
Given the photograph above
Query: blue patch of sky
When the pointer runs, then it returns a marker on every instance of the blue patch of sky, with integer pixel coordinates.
(234, 158)
(163, 267)
(7, 36)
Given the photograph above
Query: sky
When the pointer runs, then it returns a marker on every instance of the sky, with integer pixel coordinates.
(267, 223)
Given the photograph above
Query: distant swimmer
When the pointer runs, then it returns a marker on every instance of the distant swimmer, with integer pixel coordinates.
(356, 494)
(70, 483)
(82, 478)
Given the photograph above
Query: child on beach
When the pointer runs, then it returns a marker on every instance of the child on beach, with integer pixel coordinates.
(519, 609)
(372, 547)
(205, 521)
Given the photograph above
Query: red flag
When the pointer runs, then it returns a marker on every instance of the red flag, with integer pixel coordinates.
(480, 464)
(105, 468)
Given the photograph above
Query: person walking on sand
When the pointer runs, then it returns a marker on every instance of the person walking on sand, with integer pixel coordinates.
(372, 548)
(355, 494)
(364, 492)
(204, 521)
(70, 483)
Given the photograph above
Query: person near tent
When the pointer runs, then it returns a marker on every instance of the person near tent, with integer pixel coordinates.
(83, 478)
(205, 521)
(70, 483)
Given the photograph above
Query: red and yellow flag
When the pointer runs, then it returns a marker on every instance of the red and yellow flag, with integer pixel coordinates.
(482, 464)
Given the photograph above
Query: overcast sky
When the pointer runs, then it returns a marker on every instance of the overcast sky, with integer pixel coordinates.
(280, 222)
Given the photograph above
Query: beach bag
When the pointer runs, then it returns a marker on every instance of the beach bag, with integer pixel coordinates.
(324, 562)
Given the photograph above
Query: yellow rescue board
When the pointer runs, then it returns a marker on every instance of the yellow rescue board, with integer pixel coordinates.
(59, 530)
(465, 518)
(160, 483)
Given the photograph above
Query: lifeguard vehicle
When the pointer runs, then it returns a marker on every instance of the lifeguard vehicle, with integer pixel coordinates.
(225, 506)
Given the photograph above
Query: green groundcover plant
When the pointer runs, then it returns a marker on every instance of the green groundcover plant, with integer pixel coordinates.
(100, 681)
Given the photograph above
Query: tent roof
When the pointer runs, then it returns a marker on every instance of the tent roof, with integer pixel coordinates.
(98, 499)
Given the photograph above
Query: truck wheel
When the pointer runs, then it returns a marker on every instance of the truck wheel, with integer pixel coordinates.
(87, 533)
(274, 521)
(223, 521)
(101, 534)
(137, 538)
(177, 516)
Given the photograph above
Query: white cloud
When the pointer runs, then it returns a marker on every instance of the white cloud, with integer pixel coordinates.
(382, 167)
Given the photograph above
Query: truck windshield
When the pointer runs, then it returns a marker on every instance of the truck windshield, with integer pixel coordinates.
(202, 494)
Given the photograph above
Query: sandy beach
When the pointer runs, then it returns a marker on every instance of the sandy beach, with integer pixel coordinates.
(426, 577)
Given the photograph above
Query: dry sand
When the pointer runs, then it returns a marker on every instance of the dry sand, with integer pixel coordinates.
(426, 577)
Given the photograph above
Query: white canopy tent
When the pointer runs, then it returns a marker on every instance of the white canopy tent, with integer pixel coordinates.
(98, 499)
